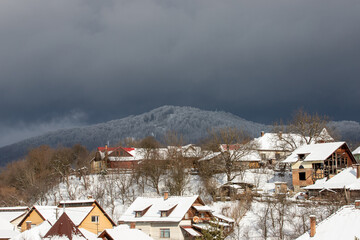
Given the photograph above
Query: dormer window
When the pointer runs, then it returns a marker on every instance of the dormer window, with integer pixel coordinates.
(166, 211)
(141, 212)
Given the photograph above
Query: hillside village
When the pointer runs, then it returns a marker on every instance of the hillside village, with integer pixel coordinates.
(279, 185)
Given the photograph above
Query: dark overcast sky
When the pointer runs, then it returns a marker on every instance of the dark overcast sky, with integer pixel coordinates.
(65, 63)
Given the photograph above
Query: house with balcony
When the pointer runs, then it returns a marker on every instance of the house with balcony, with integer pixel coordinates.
(317, 161)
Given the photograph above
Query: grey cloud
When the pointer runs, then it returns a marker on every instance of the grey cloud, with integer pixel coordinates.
(257, 59)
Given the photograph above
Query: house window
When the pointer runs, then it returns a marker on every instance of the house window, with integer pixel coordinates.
(302, 176)
(95, 219)
(301, 156)
(202, 215)
(277, 156)
(263, 156)
(163, 213)
(137, 214)
(164, 233)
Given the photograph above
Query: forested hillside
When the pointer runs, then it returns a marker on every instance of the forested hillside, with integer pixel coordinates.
(192, 123)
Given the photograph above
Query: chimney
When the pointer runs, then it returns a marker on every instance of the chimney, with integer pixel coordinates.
(312, 225)
(166, 195)
(132, 225)
(280, 134)
(28, 225)
(89, 197)
(357, 204)
(262, 133)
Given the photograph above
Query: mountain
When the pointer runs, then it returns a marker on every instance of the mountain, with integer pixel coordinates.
(191, 122)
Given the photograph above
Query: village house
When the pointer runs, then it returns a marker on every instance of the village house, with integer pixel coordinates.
(317, 161)
(115, 158)
(63, 228)
(119, 158)
(274, 147)
(343, 224)
(86, 214)
(174, 217)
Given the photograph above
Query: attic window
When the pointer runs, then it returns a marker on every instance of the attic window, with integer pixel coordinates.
(95, 219)
(301, 167)
(138, 214)
(301, 156)
(164, 213)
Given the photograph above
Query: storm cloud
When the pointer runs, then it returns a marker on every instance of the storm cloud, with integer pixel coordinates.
(108, 59)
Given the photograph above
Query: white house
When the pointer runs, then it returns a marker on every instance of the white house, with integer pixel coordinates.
(175, 218)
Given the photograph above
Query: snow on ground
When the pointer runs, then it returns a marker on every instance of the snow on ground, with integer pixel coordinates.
(254, 219)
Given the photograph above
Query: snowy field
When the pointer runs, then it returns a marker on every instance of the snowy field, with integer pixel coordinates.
(261, 217)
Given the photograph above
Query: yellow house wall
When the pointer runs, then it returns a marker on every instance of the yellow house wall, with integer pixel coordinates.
(34, 217)
(93, 227)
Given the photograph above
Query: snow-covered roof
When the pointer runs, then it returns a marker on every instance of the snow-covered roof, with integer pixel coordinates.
(356, 151)
(346, 178)
(191, 231)
(123, 232)
(202, 208)
(11, 213)
(35, 233)
(210, 155)
(344, 224)
(279, 142)
(70, 202)
(252, 156)
(314, 152)
(138, 154)
(77, 214)
(49, 212)
(7, 230)
(89, 235)
(272, 141)
(222, 217)
(153, 214)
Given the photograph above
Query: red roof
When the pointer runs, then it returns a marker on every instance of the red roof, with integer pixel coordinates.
(231, 146)
(102, 149)
(64, 227)
(129, 149)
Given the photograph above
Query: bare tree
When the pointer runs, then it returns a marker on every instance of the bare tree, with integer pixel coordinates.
(303, 128)
(178, 166)
(153, 167)
(233, 146)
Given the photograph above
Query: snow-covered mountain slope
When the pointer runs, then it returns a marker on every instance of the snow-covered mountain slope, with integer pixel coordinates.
(192, 123)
